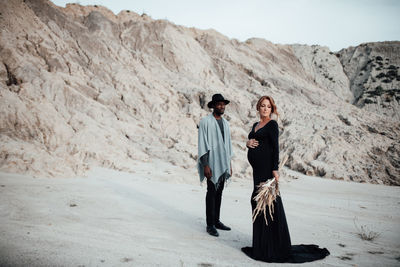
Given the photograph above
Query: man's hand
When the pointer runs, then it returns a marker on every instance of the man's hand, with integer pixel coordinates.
(252, 143)
(207, 172)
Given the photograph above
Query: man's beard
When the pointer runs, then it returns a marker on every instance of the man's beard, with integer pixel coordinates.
(218, 112)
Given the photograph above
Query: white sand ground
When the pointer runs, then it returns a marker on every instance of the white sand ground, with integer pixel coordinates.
(156, 217)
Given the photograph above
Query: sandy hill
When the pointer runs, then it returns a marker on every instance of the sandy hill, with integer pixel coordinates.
(82, 87)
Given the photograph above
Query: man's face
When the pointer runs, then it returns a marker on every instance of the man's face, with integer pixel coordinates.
(219, 108)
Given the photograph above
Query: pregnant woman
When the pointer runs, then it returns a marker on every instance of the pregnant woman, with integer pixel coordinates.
(271, 238)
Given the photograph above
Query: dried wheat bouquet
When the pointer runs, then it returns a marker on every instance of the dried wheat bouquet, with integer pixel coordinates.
(266, 195)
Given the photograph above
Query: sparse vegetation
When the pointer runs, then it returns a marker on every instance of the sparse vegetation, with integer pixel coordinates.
(367, 234)
(364, 232)
(391, 73)
(368, 101)
(380, 75)
(393, 92)
(379, 89)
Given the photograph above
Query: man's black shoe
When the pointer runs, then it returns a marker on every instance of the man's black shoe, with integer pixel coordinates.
(212, 231)
(221, 226)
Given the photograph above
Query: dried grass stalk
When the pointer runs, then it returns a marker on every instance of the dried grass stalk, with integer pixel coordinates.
(267, 193)
(364, 232)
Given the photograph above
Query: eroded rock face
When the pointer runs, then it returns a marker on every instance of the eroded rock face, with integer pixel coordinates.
(82, 87)
(373, 71)
(324, 69)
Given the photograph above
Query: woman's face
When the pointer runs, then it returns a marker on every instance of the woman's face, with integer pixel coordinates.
(265, 108)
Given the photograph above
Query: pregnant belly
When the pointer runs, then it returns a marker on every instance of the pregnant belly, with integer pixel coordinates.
(261, 164)
(260, 155)
(254, 156)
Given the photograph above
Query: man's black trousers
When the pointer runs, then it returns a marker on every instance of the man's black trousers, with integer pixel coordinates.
(213, 202)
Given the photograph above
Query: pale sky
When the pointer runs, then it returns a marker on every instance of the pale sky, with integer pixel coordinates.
(334, 23)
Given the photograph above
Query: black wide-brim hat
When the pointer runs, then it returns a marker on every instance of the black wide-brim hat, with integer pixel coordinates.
(217, 98)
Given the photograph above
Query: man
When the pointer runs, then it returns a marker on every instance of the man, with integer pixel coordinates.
(214, 160)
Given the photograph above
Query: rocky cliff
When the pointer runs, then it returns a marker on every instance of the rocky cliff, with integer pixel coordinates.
(373, 71)
(83, 87)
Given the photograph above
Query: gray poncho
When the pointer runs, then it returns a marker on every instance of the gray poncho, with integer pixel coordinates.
(220, 152)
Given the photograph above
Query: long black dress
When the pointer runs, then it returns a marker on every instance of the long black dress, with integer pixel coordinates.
(271, 243)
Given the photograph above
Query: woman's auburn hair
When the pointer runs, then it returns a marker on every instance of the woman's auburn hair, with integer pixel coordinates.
(274, 109)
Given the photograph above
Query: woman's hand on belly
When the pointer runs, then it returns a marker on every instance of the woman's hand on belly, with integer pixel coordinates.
(252, 143)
